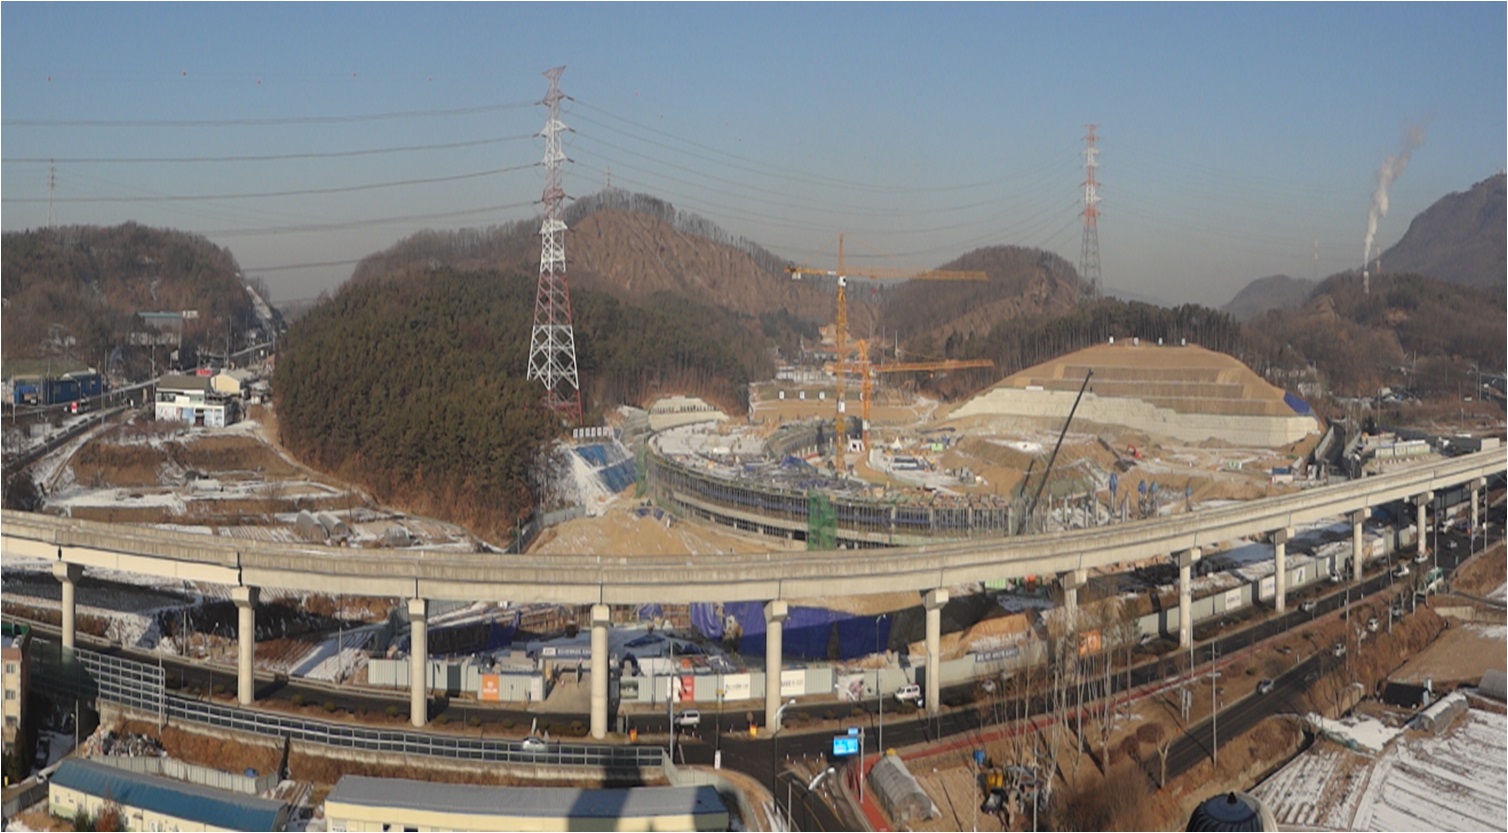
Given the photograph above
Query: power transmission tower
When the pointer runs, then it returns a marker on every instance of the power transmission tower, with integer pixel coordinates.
(52, 187)
(1089, 254)
(552, 348)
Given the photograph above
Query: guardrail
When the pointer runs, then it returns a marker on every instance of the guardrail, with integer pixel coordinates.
(139, 686)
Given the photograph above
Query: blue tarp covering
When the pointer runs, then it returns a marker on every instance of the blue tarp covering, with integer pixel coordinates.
(808, 631)
(1298, 405)
(614, 466)
(650, 612)
(620, 476)
(599, 455)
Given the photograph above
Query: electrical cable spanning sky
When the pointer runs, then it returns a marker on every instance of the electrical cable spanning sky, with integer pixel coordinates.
(302, 156)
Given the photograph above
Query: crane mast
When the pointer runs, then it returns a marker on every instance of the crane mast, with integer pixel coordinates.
(840, 325)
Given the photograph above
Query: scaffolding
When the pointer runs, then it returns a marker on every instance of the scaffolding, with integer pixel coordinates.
(821, 523)
(789, 507)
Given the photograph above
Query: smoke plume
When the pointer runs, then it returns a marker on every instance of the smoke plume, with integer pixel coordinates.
(1388, 171)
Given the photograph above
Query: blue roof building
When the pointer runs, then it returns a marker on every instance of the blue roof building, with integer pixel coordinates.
(152, 802)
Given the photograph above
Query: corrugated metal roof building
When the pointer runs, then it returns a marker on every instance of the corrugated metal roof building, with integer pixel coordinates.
(361, 803)
(150, 802)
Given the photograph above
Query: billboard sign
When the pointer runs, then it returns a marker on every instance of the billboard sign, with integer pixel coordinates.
(492, 688)
(792, 683)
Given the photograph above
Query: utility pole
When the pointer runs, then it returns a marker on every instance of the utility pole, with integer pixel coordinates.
(52, 187)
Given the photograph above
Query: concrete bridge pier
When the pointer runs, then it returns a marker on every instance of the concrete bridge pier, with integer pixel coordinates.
(933, 601)
(1071, 581)
(1476, 486)
(1186, 561)
(1280, 560)
(246, 642)
(418, 672)
(1356, 542)
(68, 575)
(601, 621)
(1421, 504)
(774, 619)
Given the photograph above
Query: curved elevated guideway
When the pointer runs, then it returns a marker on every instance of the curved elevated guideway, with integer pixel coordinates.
(772, 577)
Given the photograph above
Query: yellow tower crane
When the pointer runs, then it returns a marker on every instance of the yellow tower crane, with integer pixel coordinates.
(840, 322)
(868, 370)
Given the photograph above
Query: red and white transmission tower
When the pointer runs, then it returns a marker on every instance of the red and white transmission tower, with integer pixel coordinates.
(1089, 254)
(552, 347)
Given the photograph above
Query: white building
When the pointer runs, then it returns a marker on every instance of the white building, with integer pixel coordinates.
(193, 399)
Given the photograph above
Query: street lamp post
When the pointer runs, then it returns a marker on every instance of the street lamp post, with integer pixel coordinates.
(717, 755)
(1214, 705)
(877, 690)
(775, 749)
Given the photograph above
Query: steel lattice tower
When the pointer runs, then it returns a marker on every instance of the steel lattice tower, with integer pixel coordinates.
(1089, 254)
(552, 347)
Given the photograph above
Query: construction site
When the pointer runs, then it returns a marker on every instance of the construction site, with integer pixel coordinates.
(1156, 429)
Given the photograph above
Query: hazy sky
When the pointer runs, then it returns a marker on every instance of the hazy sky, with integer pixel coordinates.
(1232, 137)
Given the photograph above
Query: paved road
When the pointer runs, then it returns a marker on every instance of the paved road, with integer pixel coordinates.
(903, 726)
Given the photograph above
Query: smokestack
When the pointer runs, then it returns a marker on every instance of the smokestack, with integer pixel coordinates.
(1389, 170)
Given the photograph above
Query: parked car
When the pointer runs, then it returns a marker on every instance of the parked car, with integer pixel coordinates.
(1308, 606)
(1403, 570)
(909, 692)
(1264, 686)
(534, 744)
(1421, 558)
(689, 719)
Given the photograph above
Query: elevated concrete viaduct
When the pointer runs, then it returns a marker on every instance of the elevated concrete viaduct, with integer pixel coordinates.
(601, 580)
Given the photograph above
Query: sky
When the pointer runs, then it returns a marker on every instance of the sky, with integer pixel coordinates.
(1235, 140)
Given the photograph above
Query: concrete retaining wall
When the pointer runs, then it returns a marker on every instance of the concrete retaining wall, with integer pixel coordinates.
(1265, 431)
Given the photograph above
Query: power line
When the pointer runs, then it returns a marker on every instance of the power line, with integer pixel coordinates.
(764, 169)
(286, 120)
(343, 189)
(272, 157)
(291, 266)
(355, 224)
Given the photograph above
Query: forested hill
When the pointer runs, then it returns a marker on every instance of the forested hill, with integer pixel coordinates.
(1032, 339)
(90, 281)
(1022, 282)
(628, 245)
(1358, 339)
(413, 385)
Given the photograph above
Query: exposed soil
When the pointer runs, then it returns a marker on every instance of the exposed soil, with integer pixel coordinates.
(1483, 574)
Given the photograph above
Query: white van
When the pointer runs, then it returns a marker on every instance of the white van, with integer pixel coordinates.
(909, 692)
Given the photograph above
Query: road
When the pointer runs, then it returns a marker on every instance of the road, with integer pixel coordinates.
(903, 725)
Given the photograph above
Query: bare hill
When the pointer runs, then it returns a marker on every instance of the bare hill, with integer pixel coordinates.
(1271, 292)
(1459, 239)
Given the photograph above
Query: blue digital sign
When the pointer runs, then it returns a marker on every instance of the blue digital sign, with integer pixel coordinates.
(845, 745)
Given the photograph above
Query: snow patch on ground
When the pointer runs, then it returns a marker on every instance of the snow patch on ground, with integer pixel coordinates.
(1363, 733)
(1498, 632)
(1456, 781)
